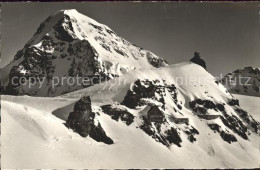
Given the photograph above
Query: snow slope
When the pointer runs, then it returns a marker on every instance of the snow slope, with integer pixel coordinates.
(47, 143)
(250, 104)
(189, 78)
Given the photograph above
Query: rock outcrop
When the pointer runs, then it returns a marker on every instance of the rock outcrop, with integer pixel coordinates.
(82, 121)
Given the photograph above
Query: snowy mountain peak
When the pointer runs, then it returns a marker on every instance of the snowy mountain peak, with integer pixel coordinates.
(71, 21)
(70, 11)
(73, 13)
(70, 44)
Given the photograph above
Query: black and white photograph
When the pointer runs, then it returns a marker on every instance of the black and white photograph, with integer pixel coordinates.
(130, 85)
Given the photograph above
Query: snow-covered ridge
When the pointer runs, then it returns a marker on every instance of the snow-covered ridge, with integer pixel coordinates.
(121, 109)
(178, 99)
(69, 44)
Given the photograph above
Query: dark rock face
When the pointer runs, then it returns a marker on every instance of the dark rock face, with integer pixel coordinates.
(228, 137)
(202, 106)
(232, 121)
(152, 129)
(38, 64)
(156, 130)
(197, 60)
(233, 102)
(83, 105)
(155, 133)
(169, 136)
(191, 134)
(85, 61)
(225, 135)
(173, 137)
(62, 33)
(156, 91)
(132, 98)
(154, 114)
(252, 123)
(81, 120)
(118, 114)
(150, 89)
(220, 107)
(98, 133)
(236, 125)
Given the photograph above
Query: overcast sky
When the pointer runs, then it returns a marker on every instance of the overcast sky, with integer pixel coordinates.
(226, 34)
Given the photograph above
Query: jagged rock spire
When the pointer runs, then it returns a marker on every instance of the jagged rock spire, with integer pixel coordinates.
(82, 121)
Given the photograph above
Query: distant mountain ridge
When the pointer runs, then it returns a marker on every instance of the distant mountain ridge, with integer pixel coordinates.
(244, 81)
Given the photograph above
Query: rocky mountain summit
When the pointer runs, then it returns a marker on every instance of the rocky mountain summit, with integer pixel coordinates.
(70, 44)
